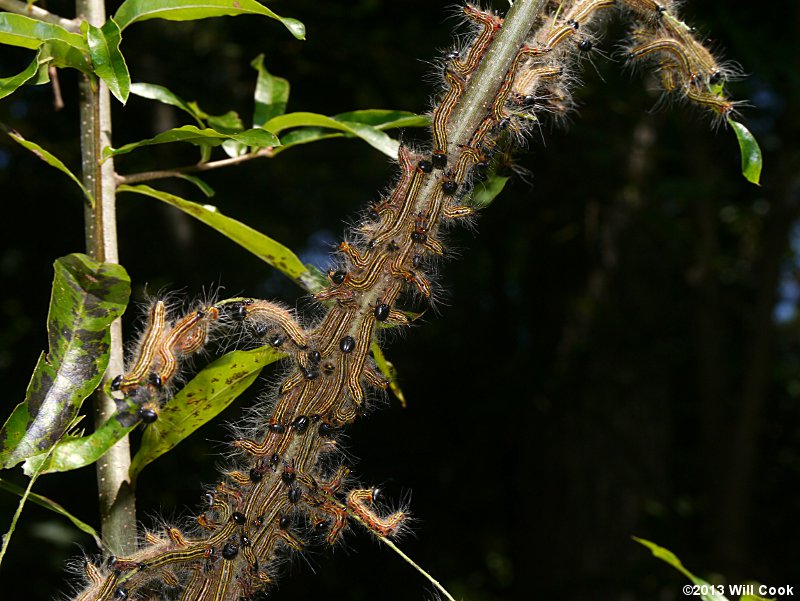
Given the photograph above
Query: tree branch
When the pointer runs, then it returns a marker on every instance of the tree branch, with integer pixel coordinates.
(146, 176)
(34, 12)
(117, 502)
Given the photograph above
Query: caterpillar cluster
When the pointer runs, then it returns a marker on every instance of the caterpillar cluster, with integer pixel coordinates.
(287, 487)
(163, 346)
(686, 68)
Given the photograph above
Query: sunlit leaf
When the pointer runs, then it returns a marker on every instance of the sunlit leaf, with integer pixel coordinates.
(55, 507)
(750, 151)
(264, 247)
(385, 119)
(199, 137)
(72, 453)
(86, 297)
(200, 401)
(132, 11)
(162, 94)
(271, 96)
(109, 64)
(19, 30)
(8, 85)
(51, 160)
(371, 135)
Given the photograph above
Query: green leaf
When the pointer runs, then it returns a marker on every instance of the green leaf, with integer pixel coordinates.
(109, 64)
(371, 135)
(87, 296)
(388, 369)
(72, 452)
(753, 598)
(264, 247)
(207, 190)
(8, 85)
(52, 161)
(385, 119)
(199, 137)
(271, 96)
(53, 506)
(162, 94)
(750, 151)
(229, 123)
(19, 30)
(63, 54)
(669, 557)
(132, 11)
(201, 400)
(484, 193)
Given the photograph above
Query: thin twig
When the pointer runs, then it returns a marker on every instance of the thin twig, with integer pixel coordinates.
(146, 176)
(34, 12)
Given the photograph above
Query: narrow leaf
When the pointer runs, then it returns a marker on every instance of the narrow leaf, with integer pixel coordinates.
(669, 557)
(199, 137)
(55, 507)
(51, 160)
(388, 369)
(371, 135)
(8, 85)
(109, 64)
(485, 192)
(132, 11)
(87, 296)
(75, 452)
(162, 94)
(750, 151)
(271, 96)
(264, 247)
(385, 119)
(200, 401)
(19, 30)
(207, 190)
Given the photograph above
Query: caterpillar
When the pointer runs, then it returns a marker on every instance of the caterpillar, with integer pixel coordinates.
(163, 346)
(288, 484)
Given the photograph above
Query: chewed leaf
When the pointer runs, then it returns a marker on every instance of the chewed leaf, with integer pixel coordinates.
(132, 11)
(751, 152)
(51, 160)
(669, 557)
(264, 247)
(109, 64)
(199, 137)
(55, 507)
(202, 399)
(72, 453)
(87, 296)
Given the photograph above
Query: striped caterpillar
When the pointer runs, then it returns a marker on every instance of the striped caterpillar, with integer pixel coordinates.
(289, 485)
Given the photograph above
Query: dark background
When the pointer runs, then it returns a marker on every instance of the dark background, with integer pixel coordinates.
(614, 352)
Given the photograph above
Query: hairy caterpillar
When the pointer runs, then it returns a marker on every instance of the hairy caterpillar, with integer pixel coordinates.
(288, 474)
